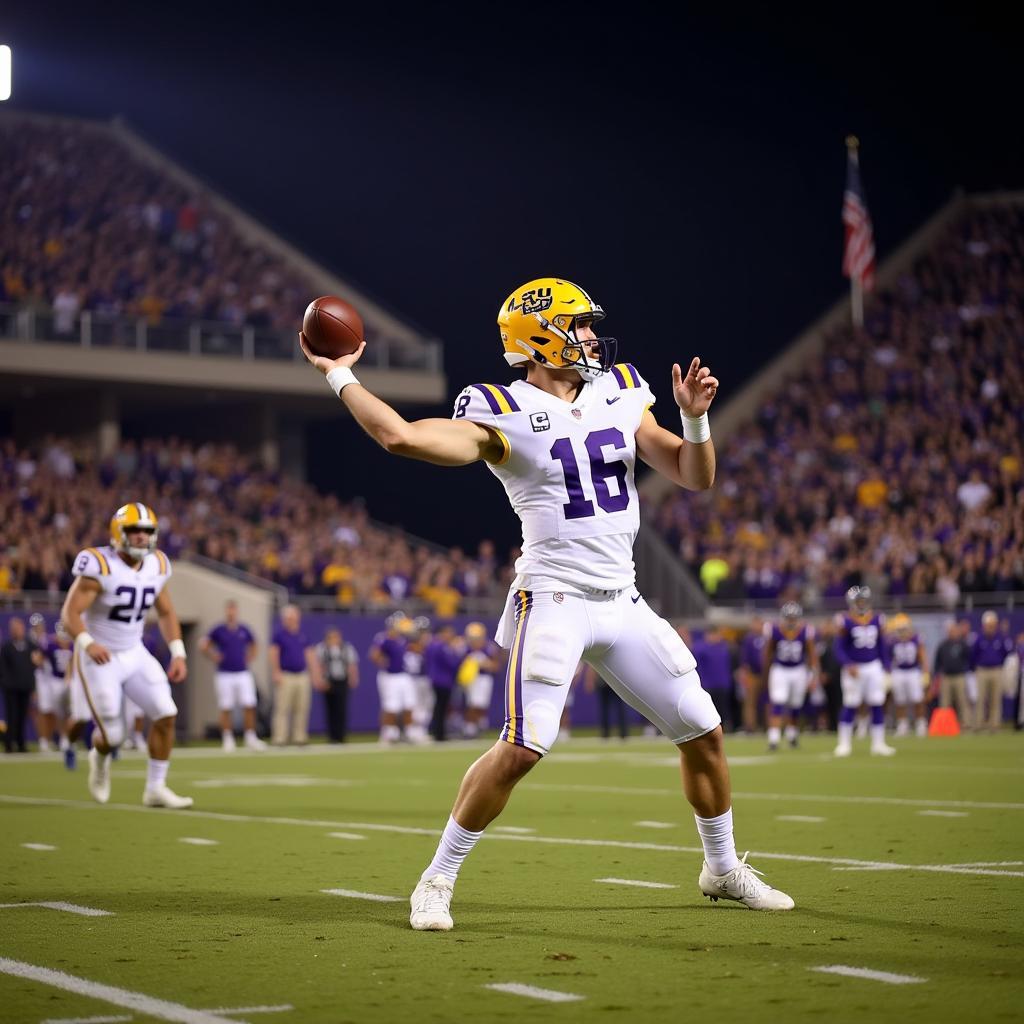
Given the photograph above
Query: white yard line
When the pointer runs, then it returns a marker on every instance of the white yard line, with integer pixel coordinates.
(864, 972)
(513, 829)
(944, 814)
(610, 844)
(636, 882)
(87, 1020)
(224, 1011)
(125, 998)
(38, 846)
(353, 895)
(779, 797)
(944, 869)
(655, 824)
(549, 995)
(345, 835)
(261, 781)
(197, 841)
(800, 817)
(67, 908)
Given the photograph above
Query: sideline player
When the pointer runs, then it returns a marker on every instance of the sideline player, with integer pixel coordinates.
(52, 687)
(858, 648)
(394, 684)
(105, 612)
(909, 676)
(480, 685)
(231, 646)
(564, 442)
(790, 667)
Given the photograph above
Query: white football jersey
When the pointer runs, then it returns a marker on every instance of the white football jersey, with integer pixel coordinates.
(568, 472)
(117, 617)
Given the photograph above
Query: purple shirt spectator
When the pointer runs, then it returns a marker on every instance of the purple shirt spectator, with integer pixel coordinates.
(714, 664)
(440, 662)
(231, 644)
(990, 651)
(292, 647)
(752, 652)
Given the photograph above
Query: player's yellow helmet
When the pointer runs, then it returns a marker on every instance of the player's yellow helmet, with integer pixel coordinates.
(133, 516)
(900, 623)
(476, 631)
(538, 323)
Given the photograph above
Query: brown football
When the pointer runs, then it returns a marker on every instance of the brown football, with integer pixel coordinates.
(332, 327)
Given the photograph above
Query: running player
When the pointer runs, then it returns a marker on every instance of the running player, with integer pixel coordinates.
(858, 648)
(790, 667)
(909, 676)
(564, 443)
(105, 612)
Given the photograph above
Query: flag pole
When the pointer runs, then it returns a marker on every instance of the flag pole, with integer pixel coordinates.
(856, 288)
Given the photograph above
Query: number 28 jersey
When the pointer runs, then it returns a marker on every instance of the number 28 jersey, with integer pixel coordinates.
(568, 473)
(117, 617)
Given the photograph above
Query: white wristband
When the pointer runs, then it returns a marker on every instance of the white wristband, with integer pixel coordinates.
(84, 640)
(177, 648)
(339, 377)
(696, 429)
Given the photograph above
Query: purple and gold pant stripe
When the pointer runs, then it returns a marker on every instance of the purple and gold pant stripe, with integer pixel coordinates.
(513, 731)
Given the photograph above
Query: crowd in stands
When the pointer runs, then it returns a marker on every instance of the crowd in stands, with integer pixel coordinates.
(84, 225)
(213, 501)
(894, 458)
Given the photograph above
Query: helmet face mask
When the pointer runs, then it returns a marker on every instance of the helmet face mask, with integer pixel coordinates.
(791, 612)
(859, 599)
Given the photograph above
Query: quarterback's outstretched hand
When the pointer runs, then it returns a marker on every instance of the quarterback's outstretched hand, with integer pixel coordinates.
(325, 365)
(695, 392)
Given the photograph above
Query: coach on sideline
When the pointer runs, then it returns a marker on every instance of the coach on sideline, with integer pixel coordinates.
(19, 659)
(294, 671)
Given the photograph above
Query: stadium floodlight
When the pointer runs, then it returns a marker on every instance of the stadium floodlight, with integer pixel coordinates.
(5, 72)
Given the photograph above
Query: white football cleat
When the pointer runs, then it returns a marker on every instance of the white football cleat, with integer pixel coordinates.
(99, 775)
(743, 885)
(227, 741)
(254, 743)
(843, 750)
(430, 904)
(162, 796)
(882, 749)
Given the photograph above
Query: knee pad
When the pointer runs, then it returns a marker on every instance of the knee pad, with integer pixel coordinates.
(114, 728)
(541, 719)
(696, 708)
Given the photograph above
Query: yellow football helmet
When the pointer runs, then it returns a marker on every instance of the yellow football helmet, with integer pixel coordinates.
(133, 516)
(900, 623)
(538, 323)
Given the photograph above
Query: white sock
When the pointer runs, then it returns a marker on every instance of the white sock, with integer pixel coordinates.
(140, 741)
(878, 735)
(456, 843)
(250, 734)
(845, 734)
(63, 743)
(156, 773)
(791, 733)
(774, 735)
(719, 845)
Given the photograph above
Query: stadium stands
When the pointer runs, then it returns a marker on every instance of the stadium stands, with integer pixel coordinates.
(895, 457)
(214, 502)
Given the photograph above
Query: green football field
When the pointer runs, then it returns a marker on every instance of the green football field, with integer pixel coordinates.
(910, 868)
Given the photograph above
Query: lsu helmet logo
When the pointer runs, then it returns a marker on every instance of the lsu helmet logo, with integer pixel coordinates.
(533, 300)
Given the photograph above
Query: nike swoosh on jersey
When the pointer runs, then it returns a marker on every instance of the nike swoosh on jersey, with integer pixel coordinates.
(612, 401)
(635, 599)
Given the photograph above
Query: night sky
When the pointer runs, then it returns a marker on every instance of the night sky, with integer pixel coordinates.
(688, 174)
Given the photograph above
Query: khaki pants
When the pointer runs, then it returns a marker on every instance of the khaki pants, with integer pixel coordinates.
(954, 690)
(990, 688)
(292, 699)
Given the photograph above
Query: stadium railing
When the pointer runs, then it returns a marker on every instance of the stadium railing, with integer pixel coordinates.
(1004, 599)
(196, 337)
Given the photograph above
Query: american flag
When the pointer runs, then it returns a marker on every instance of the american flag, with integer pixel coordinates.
(859, 245)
